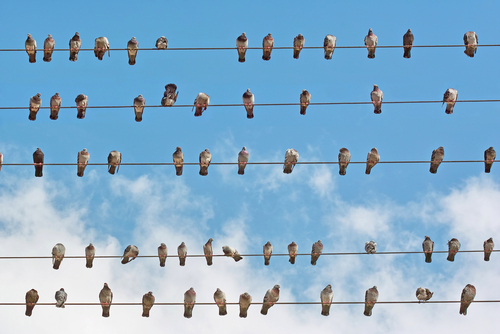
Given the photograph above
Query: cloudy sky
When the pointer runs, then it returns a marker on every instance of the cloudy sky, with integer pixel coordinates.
(397, 205)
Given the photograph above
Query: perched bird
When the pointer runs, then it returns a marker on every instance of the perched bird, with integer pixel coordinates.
(208, 251)
(162, 254)
(371, 247)
(130, 253)
(205, 158)
(326, 297)
(38, 162)
(148, 301)
(245, 301)
(470, 41)
(30, 46)
(407, 43)
(75, 44)
(182, 252)
(488, 247)
(81, 105)
(377, 95)
(271, 297)
(242, 160)
(428, 247)
(305, 99)
(57, 255)
(82, 160)
(61, 297)
(178, 157)
(371, 160)
(267, 47)
(371, 297)
(89, 255)
(48, 48)
(201, 103)
(55, 105)
(248, 102)
(298, 44)
(436, 158)
(132, 48)
(450, 97)
(114, 160)
(468, 294)
(489, 158)
(101, 46)
(231, 252)
(344, 158)
(317, 249)
(371, 43)
(220, 300)
(161, 43)
(291, 158)
(35, 103)
(105, 298)
(1, 160)
(189, 301)
(453, 247)
(139, 104)
(170, 96)
(293, 248)
(31, 299)
(268, 251)
(329, 44)
(241, 45)
(423, 294)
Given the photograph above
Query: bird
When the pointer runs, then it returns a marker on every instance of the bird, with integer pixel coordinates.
(468, 294)
(132, 48)
(470, 41)
(1, 160)
(428, 247)
(161, 43)
(61, 297)
(291, 158)
(169, 96)
(101, 46)
(305, 99)
(205, 158)
(105, 298)
(244, 302)
(423, 294)
(89, 255)
(208, 251)
(35, 103)
(268, 251)
(371, 43)
(248, 102)
(162, 254)
(178, 157)
(139, 104)
(81, 105)
(326, 297)
(30, 46)
(371, 247)
(75, 44)
(453, 247)
(201, 103)
(148, 301)
(488, 247)
(220, 300)
(344, 158)
(267, 47)
(270, 298)
(55, 105)
(292, 251)
(407, 43)
(189, 301)
(329, 44)
(298, 44)
(130, 253)
(182, 252)
(57, 255)
(31, 300)
(436, 158)
(371, 160)
(114, 160)
(38, 162)
(450, 98)
(242, 160)
(317, 249)
(489, 158)
(231, 252)
(82, 160)
(48, 48)
(371, 297)
(241, 45)
(377, 95)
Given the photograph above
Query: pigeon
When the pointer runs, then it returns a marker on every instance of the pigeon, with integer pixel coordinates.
(271, 297)
(61, 297)
(161, 43)
(201, 103)
(242, 160)
(423, 294)
(489, 158)
(292, 251)
(35, 103)
(377, 95)
(74, 47)
(329, 45)
(453, 247)
(182, 252)
(220, 300)
(139, 104)
(55, 105)
(57, 255)
(305, 99)
(30, 46)
(291, 158)
(468, 294)
(81, 105)
(267, 47)
(101, 46)
(31, 299)
(205, 158)
(189, 301)
(162, 254)
(130, 253)
(208, 251)
(89, 255)
(82, 160)
(371, 160)
(344, 158)
(488, 247)
(231, 252)
(248, 102)
(1, 160)
(48, 48)
(436, 158)
(245, 301)
(428, 247)
(170, 96)
(241, 45)
(326, 297)
(268, 251)
(105, 298)
(317, 249)
(114, 160)
(178, 160)
(450, 97)
(371, 297)
(371, 43)
(371, 247)
(407, 43)
(148, 301)
(38, 162)
(132, 48)
(298, 44)
(470, 41)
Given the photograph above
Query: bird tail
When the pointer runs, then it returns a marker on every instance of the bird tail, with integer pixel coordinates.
(203, 170)
(39, 170)
(328, 55)
(162, 262)
(314, 258)
(487, 255)
(47, 57)
(368, 310)
(182, 261)
(54, 114)
(56, 265)
(73, 56)
(241, 168)
(81, 114)
(325, 310)
(428, 257)
(368, 169)
(237, 257)
(449, 109)
(288, 168)
(81, 169)
(243, 312)
(32, 115)
(470, 51)
(100, 54)
(131, 60)
(463, 308)
(264, 309)
(222, 310)
(89, 262)
(138, 115)
(371, 53)
(451, 256)
(125, 260)
(296, 53)
(241, 56)
(145, 312)
(487, 167)
(188, 311)
(433, 169)
(303, 109)
(198, 111)
(342, 169)
(266, 55)
(250, 113)
(111, 169)
(178, 170)
(29, 310)
(266, 261)
(407, 53)
(292, 259)
(378, 109)
(209, 260)
(32, 57)
(105, 312)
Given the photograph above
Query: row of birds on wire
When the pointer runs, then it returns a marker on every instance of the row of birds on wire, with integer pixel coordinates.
(245, 300)
(101, 46)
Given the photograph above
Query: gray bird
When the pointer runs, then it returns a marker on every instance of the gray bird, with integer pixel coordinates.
(488, 247)
(298, 44)
(82, 160)
(169, 96)
(105, 298)
(208, 251)
(114, 160)
(317, 249)
(468, 294)
(470, 41)
(423, 294)
(450, 98)
(436, 159)
(139, 104)
(428, 247)
(248, 102)
(38, 162)
(75, 43)
(1, 160)
(326, 297)
(35, 103)
(81, 105)
(205, 158)
(371, 43)
(268, 251)
(220, 300)
(291, 158)
(271, 297)
(201, 103)
(371, 247)
(489, 158)
(241, 45)
(242, 160)
(61, 297)
(371, 297)
(132, 48)
(178, 157)
(371, 160)
(329, 44)
(189, 301)
(100, 47)
(305, 99)
(344, 158)
(377, 96)
(267, 47)
(244, 302)
(453, 247)
(130, 253)
(182, 252)
(30, 46)
(161, 43)
(231, 252)
(57, 255)
(48, 48)
(407, 43)
(31, 300)
(162, 254)
(55, 105)
(148, 301)
(292, 251)
(89, 255)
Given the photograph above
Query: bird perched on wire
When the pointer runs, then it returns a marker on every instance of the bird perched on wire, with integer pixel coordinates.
(291, 158)
(326, 297)
(428, 247)
(201, 103)
(470, 41)
(453, 247)
(162, 254)
(407, 43)
(371, 160)
(423, 294)
(248, 102)
(38, 158)
(169, 96)
(377, 96)
(305, 99)
(75, 43)
(82, 160)
(241, 45)
(205, 158)
(267, 47)
(268, 251)
(30, 46)
(48, 48)
(114, 160)
(55, 105)
(370, 247)
(245, 301)
(242, 160)
(1, 160)
(81, 105)
(488, 248)
(161, 43)
(317, 249)
(293, 248)
(468, 294)
(132, 48)
(130, 253)
(89, 255)
(178, 157)
(189, 301)
(344, 158)
(436, 159)
(182, 253)
(298, 44)
(270, 298)
(450, 98)
(231, 252)
(31, 300)
(61, 297)
(100, 47)
(371, 41)
(329, 45)
(371, 297)
(489, 158)
(148, 301)
(105, 298)
(220, 300)
(58, 255)
(35, 103)
(139, 104)
(208, 251)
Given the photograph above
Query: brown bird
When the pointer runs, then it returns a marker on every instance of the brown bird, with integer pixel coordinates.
(436, 159)
(89, 255)
(148, 301)
(208, 251)
(58, 255)
(82, 160)
(130, 253)
(489, 158)
(105, 298)
(178, 157)
(377, 96)
(242, 160)
(488, 247)
(205, 159)
(326, 297)
(101, 46)
(30, 46)
(371, 41)
(162, 43)
(371, 160)
(371, 297)
(298, 44)
(248, 102)
(344, 158)
(201, 103)
(35, 103)
(407, 43)
(182, 253)
(169, 96)
(114, 160)
(292, 251)
(271, 297)
(48, 48)
(139, 104)
(329, 44)
(241, 45)
(468, 294)
(81, 105)
(428, 247)
(450, 97)
(470, 41)
(305, 99)
(55, 105)
(31, 300)
(267, 47)
(162, 254)
(453, 247)
(423, 294)
(132, 48)
(268, 251)
(317, 249)
(38, 162)
(231, 252)
(189, 301)
(244, 302)
(220, 300)
(74, 47)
